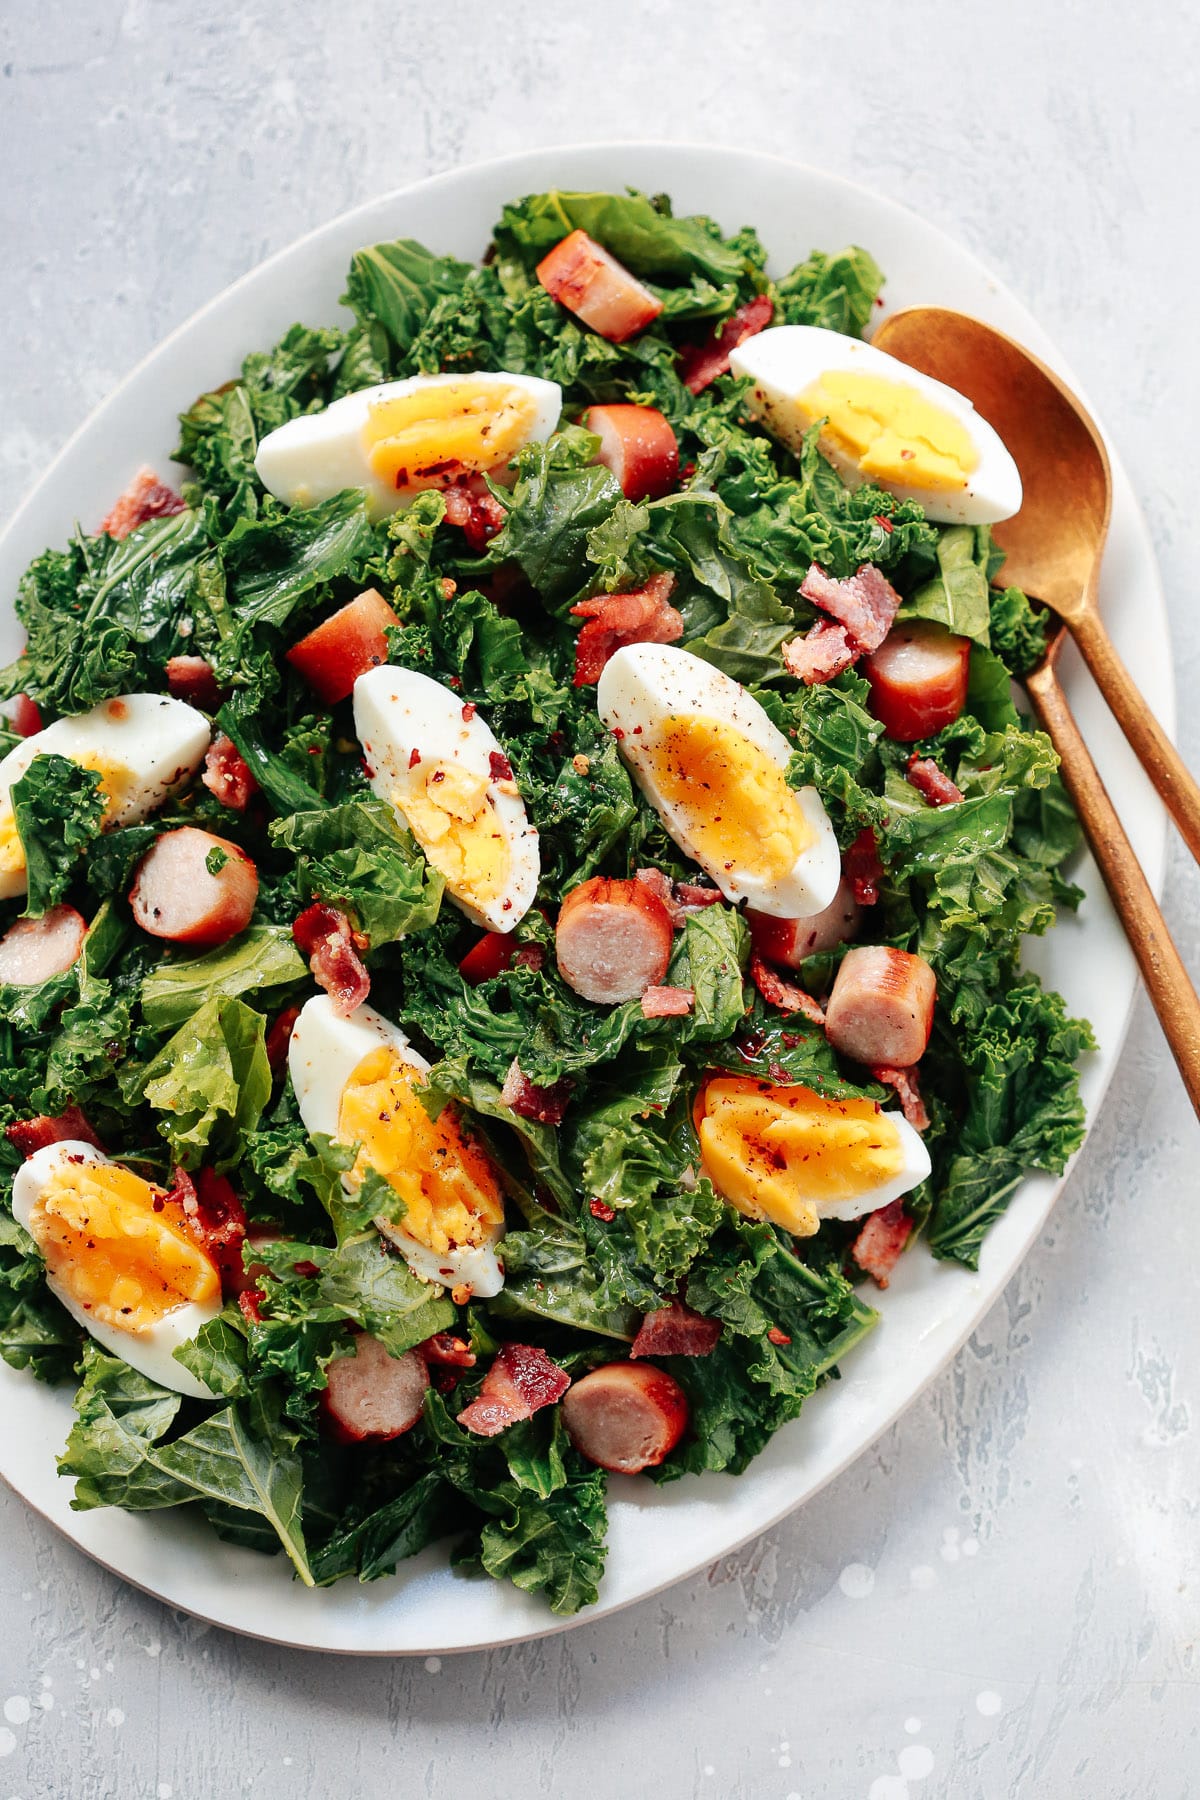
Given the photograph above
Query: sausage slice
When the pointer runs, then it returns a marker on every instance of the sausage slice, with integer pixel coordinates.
(625, 1417)
(33, 950)
(613, 940)
(193, 887)
(639, 446)
(789, 941)
(372, 1394)
(881, 1007)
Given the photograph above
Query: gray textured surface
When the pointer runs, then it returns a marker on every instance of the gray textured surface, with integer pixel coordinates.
(1001, 1598)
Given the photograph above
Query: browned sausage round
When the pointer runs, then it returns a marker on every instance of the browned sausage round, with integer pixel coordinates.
(372, 1394)
(625, 1416)
(881, 1007)
(789, 941)
(194, 888)
(33, 950)
(613, 939)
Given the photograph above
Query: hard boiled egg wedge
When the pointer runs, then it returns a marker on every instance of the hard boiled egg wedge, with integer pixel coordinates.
(357, 1080)
(792, 1156)
(398, 439)
(884, 423)
(143, 747)
(120, 1257)
(438, 764)
(713, 767)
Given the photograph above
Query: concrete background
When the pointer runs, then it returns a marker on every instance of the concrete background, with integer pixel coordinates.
(1001, 1598)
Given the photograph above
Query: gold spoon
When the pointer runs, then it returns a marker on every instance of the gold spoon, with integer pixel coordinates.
(1053, 548)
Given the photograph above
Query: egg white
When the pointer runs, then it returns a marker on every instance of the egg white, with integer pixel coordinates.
(784, 360)
(914, 1169)
(644, 684)
(159, 741)
(397, 711)
(149, 1351)
(317, 455)
(324, 1051)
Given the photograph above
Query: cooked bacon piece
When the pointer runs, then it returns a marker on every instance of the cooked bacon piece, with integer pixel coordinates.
(372, 1395)
(881, 1240)
(519, 1383)
(862, 868)
(331, 945)
(445, 1351)
(344, 646)
(789, 941)
(881, 1009)
(700, 364)
(667, 1002)
(661, 887)
(907, 1092)
(931, 782)
(919, 679)
(547, 1105)
(681, 898)
(30, 1135)
(193, 887)
(638, 445)
(489, 957)
(625, 1416)
(227, 774)
(191, 678)
(692, 896)
(23, 715)
(865, 603)
(476, 511)
(676, 1330)
(217, 1221)
(279, 1036)
(615, 620)
(823, 652)
(146, 497)
(34, 950)
(613, 939)
(600, 1209)
(581, 275)
(783, 994)
(250, 1301)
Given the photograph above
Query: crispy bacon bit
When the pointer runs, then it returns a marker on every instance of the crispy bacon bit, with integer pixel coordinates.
(700, 364)
(777, 1337)
(191, 678)
(227, 774)
(660, 886)
(879, 1243)
(499, 767)
(279, 1036)
(519, 1383)
(547, 1105)
(931, 782)
(600, 1209)
(445, 1351)
(23, 715)
(690, 896)
(863, 607)
(325, 936)
(783, 994)
(907, 1092)
(30, 1135)
(862, 867)
(680, 898)
(476, 511)
(250, 1300)
(823, 652)
(146, 497)
(530, 956)
(217, 1221)
(676, 1330)
(667, 1002)
(615, 620)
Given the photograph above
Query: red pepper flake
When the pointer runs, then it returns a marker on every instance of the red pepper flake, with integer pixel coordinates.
(618, 734)
(249, 1300)
(778, 1074)
(600, 1209)
(884, 523)
(499, 767)
(468, 712)
(907, 455)
(414, 757)
(775, 1336)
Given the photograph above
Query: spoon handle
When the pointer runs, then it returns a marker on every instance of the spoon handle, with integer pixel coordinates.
(1167, 981)
(1158, 756)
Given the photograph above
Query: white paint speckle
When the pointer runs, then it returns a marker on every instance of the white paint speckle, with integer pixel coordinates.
(922, 1576)
(916, 1761)
(970, 1546)
(950, 1553)
(108, 1668)
(153, 1648)
(785, 1762)
(912, 1726)
(45, 1681)
(433, 1664)
(17, 1710)
(889, 1787)
(988, 1703)
(708, 1769)
(114, 1716)
(164, 1790)
(46, 1700)
(93, 1674)
(856, 1581)
(8, 1741)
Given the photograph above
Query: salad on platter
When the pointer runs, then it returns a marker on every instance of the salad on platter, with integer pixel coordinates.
(513, 876)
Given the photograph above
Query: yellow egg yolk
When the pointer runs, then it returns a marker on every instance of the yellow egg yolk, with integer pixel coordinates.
(893, 431)
(778, 1153)
(12, 850)
(419, 440)
(734, 801)
(119, 1247)
(116, 783)
(447, 1182)
(450, 813)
